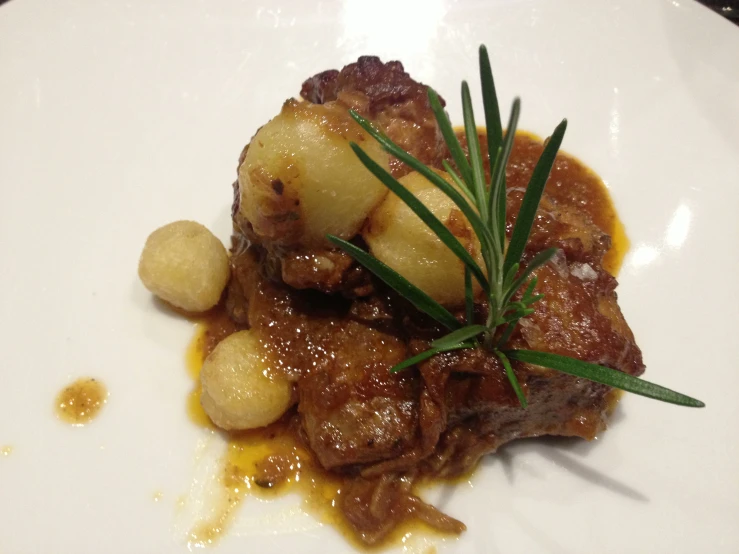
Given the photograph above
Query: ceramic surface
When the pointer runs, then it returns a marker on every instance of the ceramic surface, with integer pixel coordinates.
(117, 117)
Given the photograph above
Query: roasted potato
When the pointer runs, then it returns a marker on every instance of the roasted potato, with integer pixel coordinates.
(184, 264)
(400, 239)
(238, 389)
(300, 179)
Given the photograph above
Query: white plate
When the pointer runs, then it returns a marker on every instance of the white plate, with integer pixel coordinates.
(116, 117)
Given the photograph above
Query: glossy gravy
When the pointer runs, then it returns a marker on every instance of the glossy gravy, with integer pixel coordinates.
(253, 458)
(80, 402)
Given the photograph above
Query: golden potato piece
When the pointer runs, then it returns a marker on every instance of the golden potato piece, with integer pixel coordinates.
(400, 239)
(238, 391)
(184, 264)
(300, 179)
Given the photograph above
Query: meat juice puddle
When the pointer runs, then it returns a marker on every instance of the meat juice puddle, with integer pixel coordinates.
(254, 458)
(80, 402)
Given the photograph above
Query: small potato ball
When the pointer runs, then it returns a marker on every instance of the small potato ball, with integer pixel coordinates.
(238, 391)
(300, 179)
(400, 239)
(184, 264)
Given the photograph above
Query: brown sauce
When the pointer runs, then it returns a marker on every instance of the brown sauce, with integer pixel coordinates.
(251, 456)
(80, 402)
(272, 461)
(573, 183)
(269, 462)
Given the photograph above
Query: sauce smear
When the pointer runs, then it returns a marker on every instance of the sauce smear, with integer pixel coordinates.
(79, 403)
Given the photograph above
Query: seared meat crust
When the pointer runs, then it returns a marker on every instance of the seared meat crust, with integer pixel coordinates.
(386, 94)
(439, 418)
(358, 416)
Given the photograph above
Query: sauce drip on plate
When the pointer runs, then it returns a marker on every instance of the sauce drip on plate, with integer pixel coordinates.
(80, 402)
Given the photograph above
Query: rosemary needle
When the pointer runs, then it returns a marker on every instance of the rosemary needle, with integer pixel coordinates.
(484, 206)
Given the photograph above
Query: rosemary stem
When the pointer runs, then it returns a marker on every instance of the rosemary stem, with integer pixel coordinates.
(484, 205)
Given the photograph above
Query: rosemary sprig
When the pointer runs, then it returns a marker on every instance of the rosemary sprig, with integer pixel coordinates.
(504, 275)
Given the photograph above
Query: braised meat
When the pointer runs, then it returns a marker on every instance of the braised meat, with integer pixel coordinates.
(386, 94)
(336, 331)
(383, 92)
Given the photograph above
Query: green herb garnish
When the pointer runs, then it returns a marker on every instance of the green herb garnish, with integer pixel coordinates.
(484, 206)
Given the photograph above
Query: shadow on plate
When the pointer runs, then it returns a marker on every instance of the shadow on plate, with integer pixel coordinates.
(567, 453)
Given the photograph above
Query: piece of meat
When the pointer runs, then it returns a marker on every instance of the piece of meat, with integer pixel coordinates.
(559, 226)
(323, 269)
(381, 431)
(353, 410)
(387, 95)
(440, 418)
(578, 317)
(570, 184)
(356, 413)
(570, 216)
(329, 271)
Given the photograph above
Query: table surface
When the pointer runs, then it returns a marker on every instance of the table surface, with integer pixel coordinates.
(728, 8)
